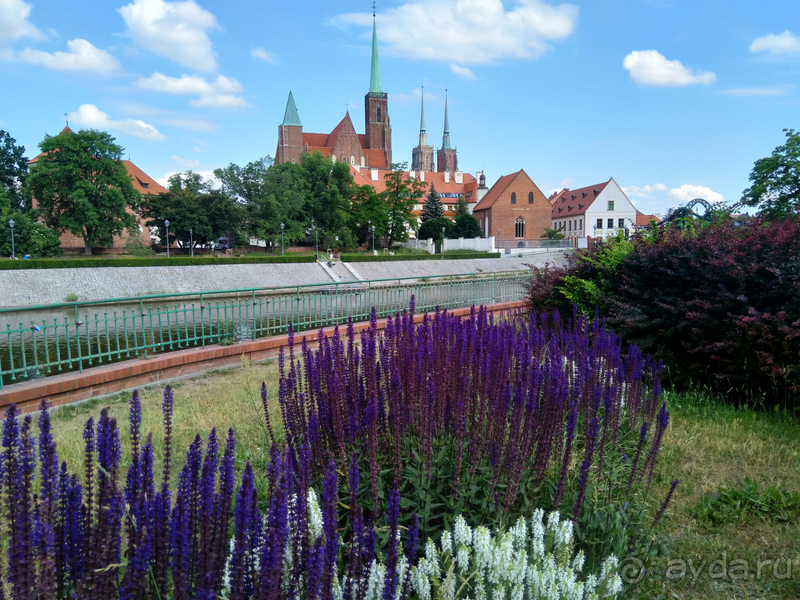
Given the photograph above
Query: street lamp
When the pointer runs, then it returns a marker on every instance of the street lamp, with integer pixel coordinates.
(11, 226)
(282, 226)
(166, 224)
(442, 243)
(335, 243)
(373, 240)
(191, 242)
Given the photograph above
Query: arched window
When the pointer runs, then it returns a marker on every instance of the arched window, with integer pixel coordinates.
(352, 160)
(513, 197)
(379, 114)
(363, 162)
(519, 228)
(530, 197)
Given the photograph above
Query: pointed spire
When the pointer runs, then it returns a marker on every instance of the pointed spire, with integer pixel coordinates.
(290, 117)
(423, 136)
(446, 136)
(375, 74)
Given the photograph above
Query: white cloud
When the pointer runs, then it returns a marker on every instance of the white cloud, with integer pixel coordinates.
(467, 31)
(185, 163)
(88, 115)
(14, 21)
(782, 43)
(263, 55)
(80, 56)
(648, 67)
(207, 175)
(646, 191)
(220, 93)
(462, 71)
(688, 192)
(766, 91)
(175, 30)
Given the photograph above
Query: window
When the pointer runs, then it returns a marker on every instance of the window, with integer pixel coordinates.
(379, 114)
(599, 224)
(513, 197)
(519, 228)
(621, 223)
(610, 205)
(530, 197)
(580, 224)
(610, 224)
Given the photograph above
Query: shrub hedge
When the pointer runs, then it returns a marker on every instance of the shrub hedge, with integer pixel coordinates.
(186, 261)
(379, 258)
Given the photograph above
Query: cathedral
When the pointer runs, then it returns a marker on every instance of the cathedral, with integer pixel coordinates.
(373, 148)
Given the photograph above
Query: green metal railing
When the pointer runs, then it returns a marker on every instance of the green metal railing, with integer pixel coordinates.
(37, 341)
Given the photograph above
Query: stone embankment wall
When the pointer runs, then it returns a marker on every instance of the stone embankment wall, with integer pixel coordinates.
(51, 286)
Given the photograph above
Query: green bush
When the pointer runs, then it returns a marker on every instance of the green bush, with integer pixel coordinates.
(177, 261)
(448, 256)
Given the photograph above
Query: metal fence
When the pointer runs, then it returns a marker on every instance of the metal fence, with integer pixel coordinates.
(509, 246)
(38, 341)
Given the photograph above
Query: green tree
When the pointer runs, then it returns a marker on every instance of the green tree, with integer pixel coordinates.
(81, 186)
(552, 234)
(775, 180)
(330, 191)
(400, 197)
(13, 170)
(432, 228)
(191, 203)
(30, 236)
(433, 207)
(368, 208)
(465, 225)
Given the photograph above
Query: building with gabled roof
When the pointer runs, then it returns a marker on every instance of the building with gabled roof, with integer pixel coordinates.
(514, 209)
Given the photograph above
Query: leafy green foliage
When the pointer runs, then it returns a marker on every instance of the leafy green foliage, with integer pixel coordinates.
(13, 170)
(465, 225)
(731, 504)
(400, 197)
(552, 234)
(432, 229)
(30, 236)
(81, 186)
(775, 180)
(173, 261)
(368, 209)
(191, 203)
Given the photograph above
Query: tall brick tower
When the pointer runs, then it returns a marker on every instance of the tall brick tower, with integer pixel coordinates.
(422, 155)
(377, 126)
(290, 135)
(447, 157)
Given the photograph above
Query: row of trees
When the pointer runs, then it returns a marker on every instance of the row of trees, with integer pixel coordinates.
(81, 186)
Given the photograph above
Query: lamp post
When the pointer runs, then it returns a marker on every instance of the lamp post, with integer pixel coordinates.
(282, 226)
(11, 226)
(373, 240)
(335, 244)
(442, 243)
(166, 224)
(191, 242)
(498, 238)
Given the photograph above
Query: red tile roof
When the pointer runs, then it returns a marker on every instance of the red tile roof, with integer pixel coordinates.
(496, 191)
(142, 182)
(643, 220)
(449, 190)
(576, 202)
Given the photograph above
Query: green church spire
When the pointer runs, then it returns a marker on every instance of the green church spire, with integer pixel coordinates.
(290, 117)
(375, 74)
(423, 136)
(446, 138)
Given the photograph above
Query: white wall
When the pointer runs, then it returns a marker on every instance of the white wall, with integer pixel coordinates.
(477, 244)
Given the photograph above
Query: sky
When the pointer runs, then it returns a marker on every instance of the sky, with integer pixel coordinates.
(674, 99)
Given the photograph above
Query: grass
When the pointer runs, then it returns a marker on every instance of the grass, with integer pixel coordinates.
(708, 446)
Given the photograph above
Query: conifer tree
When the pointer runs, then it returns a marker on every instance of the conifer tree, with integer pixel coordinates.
(433, 207)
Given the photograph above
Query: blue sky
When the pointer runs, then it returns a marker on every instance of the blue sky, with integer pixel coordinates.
(674, 99)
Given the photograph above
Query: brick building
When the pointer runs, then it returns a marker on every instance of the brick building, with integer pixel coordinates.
(142, 183)
(514, 209)
(372, 149)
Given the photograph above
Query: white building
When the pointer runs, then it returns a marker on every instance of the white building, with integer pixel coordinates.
(597, 211)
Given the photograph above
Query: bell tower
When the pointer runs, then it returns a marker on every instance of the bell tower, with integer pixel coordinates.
(422, 155)
(377, 126)
(447, 157)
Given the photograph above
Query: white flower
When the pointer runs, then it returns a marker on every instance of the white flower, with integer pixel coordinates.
(314, 515)
(420, 582)
(447, 543)
(577, 562)
(482, 544)
(431, 559)
(462, 532)
(519, 533)
(377, 574)
(462, 559)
